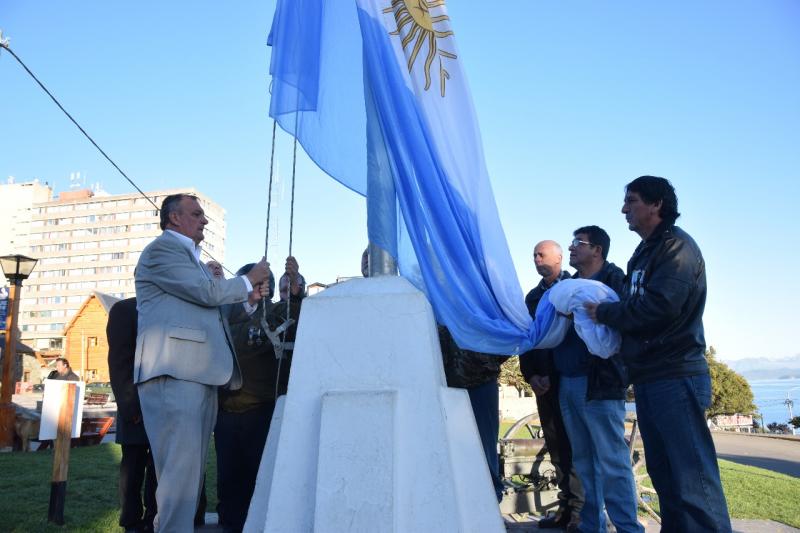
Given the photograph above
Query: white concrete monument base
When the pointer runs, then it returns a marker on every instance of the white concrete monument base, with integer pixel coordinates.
(369, 437)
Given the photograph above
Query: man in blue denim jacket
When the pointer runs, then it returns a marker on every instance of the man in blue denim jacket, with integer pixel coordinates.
(592, 400)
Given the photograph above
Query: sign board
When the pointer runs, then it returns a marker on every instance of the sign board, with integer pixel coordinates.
(51, 405)
(3, 307)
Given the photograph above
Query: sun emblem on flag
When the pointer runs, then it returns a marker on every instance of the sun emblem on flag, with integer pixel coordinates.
(416, 25)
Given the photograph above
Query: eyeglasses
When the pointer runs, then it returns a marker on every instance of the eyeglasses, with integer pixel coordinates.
(577, 242)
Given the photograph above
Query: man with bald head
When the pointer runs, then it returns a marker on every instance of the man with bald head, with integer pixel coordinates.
(538, 369)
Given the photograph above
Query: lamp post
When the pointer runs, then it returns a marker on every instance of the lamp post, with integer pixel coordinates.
(789, 403)
(16, 268)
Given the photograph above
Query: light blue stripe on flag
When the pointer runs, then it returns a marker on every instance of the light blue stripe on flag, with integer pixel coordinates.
(375, 88)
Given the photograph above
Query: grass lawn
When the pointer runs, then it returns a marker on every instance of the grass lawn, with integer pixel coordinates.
(756, 493)
(92, 504)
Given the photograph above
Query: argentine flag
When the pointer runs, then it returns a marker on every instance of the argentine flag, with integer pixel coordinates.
(375, 93)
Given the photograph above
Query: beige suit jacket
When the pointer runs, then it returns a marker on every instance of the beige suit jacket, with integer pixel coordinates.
(183, 331)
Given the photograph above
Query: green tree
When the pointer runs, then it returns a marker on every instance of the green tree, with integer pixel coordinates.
(795, 422)
(774, 427)
(511, 375)
(730, 392)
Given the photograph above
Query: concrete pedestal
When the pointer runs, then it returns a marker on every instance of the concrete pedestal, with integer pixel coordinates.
(369, 438)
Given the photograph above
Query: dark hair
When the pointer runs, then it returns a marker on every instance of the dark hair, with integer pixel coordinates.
(653, 189)
(169, 205)
(597, 236)
(63, 360)
(248, 267)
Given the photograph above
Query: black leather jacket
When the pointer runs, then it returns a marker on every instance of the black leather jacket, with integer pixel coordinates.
(660, 314)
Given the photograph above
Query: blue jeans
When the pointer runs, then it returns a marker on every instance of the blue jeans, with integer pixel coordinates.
(485, 400)
(681, 458)
(596, 431)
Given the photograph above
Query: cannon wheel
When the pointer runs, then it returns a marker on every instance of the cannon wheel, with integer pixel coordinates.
(530, 422)
(638, 461)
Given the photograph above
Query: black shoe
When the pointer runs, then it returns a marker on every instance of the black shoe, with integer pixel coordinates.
(574, 526)
(559, 520)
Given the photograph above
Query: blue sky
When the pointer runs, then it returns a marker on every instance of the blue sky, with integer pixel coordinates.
(574, 100)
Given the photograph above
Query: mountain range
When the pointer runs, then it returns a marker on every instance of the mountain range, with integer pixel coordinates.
(753, 368)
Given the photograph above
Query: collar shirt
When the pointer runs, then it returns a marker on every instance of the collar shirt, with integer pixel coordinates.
(188, 243)
(195, 249)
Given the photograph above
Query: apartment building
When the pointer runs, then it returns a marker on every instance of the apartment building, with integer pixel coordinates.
(91, 240)
(16, 199)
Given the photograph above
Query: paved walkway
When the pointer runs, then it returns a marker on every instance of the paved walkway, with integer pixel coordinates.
(530, 524)
(650, 526)
(779, 454)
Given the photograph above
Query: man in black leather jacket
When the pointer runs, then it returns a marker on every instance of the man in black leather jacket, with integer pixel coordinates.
(660, 318)
(592, 399)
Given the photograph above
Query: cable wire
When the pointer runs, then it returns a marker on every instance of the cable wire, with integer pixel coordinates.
(4, 45)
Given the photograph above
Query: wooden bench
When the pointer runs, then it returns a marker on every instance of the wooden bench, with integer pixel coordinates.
(94, 429)
(96, 398)
(92, 432)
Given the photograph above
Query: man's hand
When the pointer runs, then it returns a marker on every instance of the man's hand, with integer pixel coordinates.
(260, 291)
(292, 269)
(591, 310)
(540, 384)
(259, 273)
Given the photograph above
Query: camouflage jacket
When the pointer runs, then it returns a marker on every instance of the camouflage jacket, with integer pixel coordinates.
(466, 369)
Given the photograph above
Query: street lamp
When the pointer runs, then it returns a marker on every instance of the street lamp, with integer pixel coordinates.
(789, 403)
(16, 268)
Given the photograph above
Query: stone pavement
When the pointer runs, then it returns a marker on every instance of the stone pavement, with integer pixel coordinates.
(530, 524)
(650, 526)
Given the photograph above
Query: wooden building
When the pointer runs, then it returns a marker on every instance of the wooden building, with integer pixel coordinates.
(85, 342)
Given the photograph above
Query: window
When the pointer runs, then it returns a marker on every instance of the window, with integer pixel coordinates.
(92, 342)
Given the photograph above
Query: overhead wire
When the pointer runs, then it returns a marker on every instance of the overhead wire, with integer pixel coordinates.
(4, 45)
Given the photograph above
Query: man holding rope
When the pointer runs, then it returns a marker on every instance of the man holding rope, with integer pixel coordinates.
(184, 352)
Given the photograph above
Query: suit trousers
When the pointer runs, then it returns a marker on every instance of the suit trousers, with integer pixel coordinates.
(240, 440)
(135, 468)
(178, 417)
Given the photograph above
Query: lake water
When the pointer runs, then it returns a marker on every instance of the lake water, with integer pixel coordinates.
(770, 394)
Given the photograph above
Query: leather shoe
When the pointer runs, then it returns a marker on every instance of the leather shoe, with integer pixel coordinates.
(558, 520)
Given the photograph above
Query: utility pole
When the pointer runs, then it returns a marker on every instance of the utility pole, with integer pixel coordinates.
(789, 403)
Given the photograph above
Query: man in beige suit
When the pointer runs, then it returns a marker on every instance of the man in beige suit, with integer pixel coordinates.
(183, 353)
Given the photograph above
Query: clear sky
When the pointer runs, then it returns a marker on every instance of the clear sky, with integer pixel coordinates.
(574, 100)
